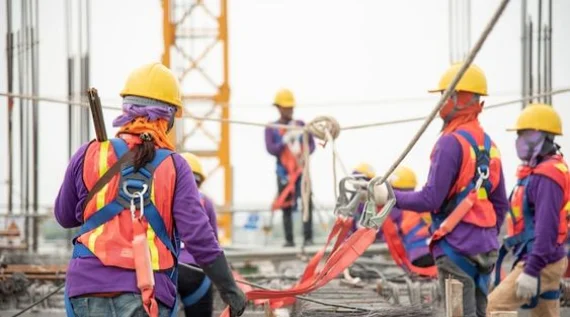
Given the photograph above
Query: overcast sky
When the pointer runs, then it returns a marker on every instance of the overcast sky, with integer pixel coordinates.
(334, 55)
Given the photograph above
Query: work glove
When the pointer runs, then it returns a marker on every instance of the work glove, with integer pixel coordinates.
(380, 194)
(527, 286)
(221, 275)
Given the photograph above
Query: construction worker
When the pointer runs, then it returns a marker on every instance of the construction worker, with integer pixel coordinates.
(195, 288)
(133, 199)
(465, 192)
(537, 226)
(413, 229)
(287, 146)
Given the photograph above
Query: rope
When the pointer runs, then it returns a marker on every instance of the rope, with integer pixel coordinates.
(450, 89)
(40, 300)
(497, 105)
(283, 126)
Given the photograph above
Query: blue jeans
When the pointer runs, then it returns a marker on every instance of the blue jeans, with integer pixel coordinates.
(124, 305)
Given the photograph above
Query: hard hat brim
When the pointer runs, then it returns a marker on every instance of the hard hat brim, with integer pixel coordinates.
(435, 90)
(285, 105)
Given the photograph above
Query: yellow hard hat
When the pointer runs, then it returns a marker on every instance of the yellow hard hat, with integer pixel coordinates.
(365, 169)
(155, 81)
(284, 98)
(195, 164)
(541, 117)
(473, 80)
(404, 178)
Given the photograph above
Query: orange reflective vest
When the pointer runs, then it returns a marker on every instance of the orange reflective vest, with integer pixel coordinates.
(554, 168)
(111, 241)
(293, 170)
(412, 233)
(479, 153)
(128, 223)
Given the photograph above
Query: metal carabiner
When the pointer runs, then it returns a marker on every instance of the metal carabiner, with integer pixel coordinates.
(137, 194)
(370, 218)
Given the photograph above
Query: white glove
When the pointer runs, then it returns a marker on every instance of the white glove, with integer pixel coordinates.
(380, 194)
(527, 286)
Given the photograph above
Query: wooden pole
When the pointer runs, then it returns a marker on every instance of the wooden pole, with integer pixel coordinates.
(453, 298)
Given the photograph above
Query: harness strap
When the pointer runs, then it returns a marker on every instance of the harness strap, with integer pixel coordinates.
(548, 295)
(481, 280)
(198, 294)
(281, 200)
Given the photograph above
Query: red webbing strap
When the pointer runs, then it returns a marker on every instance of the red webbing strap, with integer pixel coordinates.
(454, 218)
(398, 251)
(340, 230)
(341, 258)
(143, 268)
(280, 202)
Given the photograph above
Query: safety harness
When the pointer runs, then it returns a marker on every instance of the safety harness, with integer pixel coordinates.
(521, 244)
(134, 194)
(444, 221)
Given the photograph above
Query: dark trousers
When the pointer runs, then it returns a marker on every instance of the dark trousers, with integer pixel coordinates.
(188, 282)
(288, 212)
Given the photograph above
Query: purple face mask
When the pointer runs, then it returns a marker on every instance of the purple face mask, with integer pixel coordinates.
(529, 143)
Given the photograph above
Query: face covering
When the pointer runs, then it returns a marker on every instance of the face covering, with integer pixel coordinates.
(529, 145)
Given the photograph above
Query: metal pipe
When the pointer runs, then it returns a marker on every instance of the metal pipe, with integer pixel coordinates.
(530, 61)
(549, 50)
(539, 50)
(26, 141)
(69, 93)
(35, 117)
(21, 115)
(524, 53)
(450, 31)
(10, 79)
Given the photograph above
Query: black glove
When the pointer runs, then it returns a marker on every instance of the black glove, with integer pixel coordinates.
(221, 275)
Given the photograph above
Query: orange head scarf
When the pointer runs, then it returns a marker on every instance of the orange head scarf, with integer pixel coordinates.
(460, 108)
(156, 128)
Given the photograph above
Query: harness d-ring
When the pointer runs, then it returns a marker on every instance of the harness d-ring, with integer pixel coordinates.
(140, 195)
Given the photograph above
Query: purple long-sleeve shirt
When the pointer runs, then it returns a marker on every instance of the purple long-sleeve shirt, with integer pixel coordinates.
(547, 198)
(185, 256)
(446, 162)
(89, 275)
(274, 141)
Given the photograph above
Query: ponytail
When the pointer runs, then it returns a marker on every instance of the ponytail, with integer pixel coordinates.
(145, 151)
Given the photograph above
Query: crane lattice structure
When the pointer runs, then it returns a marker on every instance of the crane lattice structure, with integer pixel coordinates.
(196, 49)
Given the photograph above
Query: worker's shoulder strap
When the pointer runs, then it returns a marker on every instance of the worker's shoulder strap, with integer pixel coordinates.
(122, 152)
